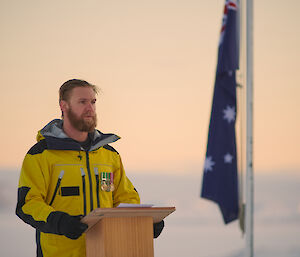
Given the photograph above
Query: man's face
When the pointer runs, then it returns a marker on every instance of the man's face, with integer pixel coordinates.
(80, 109)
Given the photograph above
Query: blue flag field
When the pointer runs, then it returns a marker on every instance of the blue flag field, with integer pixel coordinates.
(220, 182)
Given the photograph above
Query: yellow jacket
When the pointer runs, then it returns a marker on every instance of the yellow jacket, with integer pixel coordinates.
(59, 176)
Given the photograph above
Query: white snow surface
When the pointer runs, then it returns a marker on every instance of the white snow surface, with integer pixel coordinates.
(196, 227)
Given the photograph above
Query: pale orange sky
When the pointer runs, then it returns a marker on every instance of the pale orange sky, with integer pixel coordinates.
(155, 63)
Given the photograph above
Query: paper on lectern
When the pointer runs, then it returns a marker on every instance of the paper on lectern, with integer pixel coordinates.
(132, 205)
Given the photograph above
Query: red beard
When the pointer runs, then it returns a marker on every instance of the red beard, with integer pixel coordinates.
(80, 123)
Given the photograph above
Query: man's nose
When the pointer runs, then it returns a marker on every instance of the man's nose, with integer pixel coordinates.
(90, 107)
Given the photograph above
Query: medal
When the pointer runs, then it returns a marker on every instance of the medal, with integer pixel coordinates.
(107, 179)
(112, 187)
(103, 187)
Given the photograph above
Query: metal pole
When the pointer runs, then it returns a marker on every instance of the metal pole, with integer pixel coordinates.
(249, 133)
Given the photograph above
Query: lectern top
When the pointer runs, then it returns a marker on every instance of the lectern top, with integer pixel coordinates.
(157, 213)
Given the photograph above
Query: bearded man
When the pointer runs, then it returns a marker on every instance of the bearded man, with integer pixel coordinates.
(70, 171)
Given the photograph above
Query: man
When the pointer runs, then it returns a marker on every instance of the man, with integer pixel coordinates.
(70, 171)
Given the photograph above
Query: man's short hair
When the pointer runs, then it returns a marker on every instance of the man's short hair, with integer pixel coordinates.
(67, 87)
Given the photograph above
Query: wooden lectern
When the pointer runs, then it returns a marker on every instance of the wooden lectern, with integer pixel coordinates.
(122, 232)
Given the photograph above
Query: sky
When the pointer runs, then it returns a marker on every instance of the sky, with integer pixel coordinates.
(155, 63)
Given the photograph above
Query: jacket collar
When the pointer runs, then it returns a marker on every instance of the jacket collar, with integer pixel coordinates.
(57, 140)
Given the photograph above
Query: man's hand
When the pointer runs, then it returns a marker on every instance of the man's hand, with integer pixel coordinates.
(157, 228)
(71, 227)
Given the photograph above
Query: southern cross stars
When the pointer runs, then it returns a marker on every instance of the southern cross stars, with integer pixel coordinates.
(228, 158)
(208, 164)
(229, 113)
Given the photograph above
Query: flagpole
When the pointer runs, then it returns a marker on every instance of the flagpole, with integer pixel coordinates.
(249, 133)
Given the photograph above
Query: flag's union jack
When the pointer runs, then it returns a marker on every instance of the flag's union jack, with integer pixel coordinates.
(229, 5)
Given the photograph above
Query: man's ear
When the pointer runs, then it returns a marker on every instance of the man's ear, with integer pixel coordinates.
(63, 106)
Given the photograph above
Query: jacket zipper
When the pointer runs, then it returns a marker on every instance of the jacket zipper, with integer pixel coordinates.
(61, 174)
(97, 186)
(83, 190)
(90, 180)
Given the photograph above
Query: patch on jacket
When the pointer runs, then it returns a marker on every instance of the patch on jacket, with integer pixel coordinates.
(69, 191)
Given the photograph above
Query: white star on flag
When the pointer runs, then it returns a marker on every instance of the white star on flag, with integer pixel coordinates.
(228, 158)
(208, 164)
(229, 114)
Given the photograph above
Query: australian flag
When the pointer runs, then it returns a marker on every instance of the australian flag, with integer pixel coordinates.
(220, 183)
